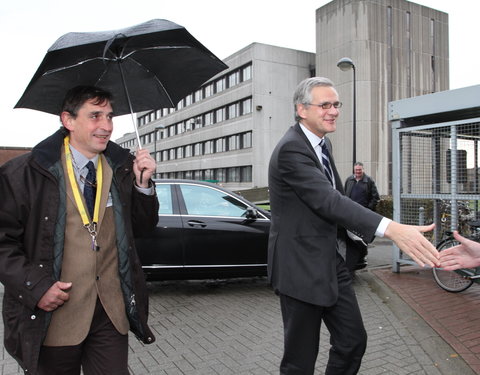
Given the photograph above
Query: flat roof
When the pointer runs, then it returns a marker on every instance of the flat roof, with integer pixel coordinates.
(437, 107)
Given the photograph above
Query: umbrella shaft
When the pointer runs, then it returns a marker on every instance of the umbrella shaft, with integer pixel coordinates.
(130, 105)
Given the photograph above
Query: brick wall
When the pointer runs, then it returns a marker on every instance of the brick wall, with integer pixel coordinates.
(7, 153)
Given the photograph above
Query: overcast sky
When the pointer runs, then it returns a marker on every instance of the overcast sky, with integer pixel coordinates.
(30, 27)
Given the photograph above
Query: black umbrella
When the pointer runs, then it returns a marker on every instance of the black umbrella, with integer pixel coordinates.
(148, 66)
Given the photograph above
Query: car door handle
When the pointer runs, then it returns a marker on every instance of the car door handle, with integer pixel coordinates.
(196, 223)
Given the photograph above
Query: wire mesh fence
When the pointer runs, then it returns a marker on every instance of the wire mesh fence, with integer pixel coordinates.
(437, 176)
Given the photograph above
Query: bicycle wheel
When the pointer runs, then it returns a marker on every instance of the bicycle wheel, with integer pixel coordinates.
(450, 281)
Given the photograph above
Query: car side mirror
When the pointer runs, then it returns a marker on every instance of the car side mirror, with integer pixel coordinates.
(251, 213)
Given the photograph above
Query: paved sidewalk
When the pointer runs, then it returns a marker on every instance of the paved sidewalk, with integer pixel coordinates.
(454, 316)
(234, 326)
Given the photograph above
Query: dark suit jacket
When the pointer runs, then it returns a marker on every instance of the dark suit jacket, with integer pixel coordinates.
(306, 211)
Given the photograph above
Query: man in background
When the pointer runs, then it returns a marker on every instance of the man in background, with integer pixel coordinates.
(362, 189)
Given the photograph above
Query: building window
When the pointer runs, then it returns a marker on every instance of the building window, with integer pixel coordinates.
(180, 152)
(247, 106)
(197, 149)
(233, 174)
(180, 127)
(164, 155)
(198, 95)
(171, 130)
(247, 140)
(220, 145)
(234, 78)
(231, 143)
(246, 174)
(220, 85)
(198, 175)
(197, 122)
(208, 90)
(220, 115)
(208, 118)
(247, 73)
(233, 110)
(208, 174)
(188, 151)
(208, 147)
(220, 175)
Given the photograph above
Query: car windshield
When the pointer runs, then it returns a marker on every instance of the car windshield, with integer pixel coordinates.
(206, 201)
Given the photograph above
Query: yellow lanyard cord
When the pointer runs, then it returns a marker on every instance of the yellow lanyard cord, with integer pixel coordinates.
(76, 188)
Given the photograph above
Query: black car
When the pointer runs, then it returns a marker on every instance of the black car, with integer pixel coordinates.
(204, 231)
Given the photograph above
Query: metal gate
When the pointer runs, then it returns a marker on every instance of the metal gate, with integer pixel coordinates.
(435, 174)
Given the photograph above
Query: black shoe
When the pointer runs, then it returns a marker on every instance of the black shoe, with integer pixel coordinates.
(362, 264)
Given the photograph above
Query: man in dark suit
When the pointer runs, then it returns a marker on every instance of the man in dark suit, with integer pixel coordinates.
(309, 214)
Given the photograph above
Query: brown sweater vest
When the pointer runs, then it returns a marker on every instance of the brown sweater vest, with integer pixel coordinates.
(92, 273)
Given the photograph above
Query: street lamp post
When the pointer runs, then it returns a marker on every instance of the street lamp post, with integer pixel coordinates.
(345, 63)
(157, 128)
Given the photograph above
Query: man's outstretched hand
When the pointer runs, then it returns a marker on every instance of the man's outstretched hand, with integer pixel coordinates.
(410, 240)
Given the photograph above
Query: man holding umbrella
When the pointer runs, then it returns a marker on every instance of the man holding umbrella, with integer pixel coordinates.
(69, 212)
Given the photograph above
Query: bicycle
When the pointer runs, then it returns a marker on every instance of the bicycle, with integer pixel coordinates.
(461, 279)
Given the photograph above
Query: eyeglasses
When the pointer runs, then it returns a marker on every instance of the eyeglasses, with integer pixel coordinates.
(327, 105)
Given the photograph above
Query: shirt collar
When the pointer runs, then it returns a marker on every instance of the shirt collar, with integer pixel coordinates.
(81, 160)
(312, 138)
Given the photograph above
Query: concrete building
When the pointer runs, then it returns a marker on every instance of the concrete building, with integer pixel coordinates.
(400, 50)
(226, 130)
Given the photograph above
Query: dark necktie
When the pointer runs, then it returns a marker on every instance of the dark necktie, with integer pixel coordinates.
(326, 161)
(90, 188)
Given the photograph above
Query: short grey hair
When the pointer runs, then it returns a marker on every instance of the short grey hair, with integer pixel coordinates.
(303, 92)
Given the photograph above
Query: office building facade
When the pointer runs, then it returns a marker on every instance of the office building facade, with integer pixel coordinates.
(226, 130)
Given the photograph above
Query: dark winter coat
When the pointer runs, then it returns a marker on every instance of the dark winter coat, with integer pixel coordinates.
(32, 223)
(368, 188)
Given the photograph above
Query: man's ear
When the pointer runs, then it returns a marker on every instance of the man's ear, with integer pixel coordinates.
(66, 119)
(301, 108)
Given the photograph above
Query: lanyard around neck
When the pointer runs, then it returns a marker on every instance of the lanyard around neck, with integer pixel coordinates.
(76, 188)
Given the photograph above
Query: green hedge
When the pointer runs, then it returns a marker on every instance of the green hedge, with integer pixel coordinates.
(385, 206)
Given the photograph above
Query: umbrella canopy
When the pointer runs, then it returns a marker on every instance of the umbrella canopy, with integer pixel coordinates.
(148, 66)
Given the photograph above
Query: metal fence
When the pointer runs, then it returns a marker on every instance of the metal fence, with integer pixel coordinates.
(436, 176)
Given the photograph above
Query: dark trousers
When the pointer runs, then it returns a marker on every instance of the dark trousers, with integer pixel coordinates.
(103, 352)
(302, 322)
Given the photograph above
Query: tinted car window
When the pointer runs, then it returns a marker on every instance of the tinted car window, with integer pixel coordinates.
(164, 195)
(205, 201)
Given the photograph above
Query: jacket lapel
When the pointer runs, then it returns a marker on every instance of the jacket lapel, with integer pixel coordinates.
(107, 180)
(338, 181)
(309, 145)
